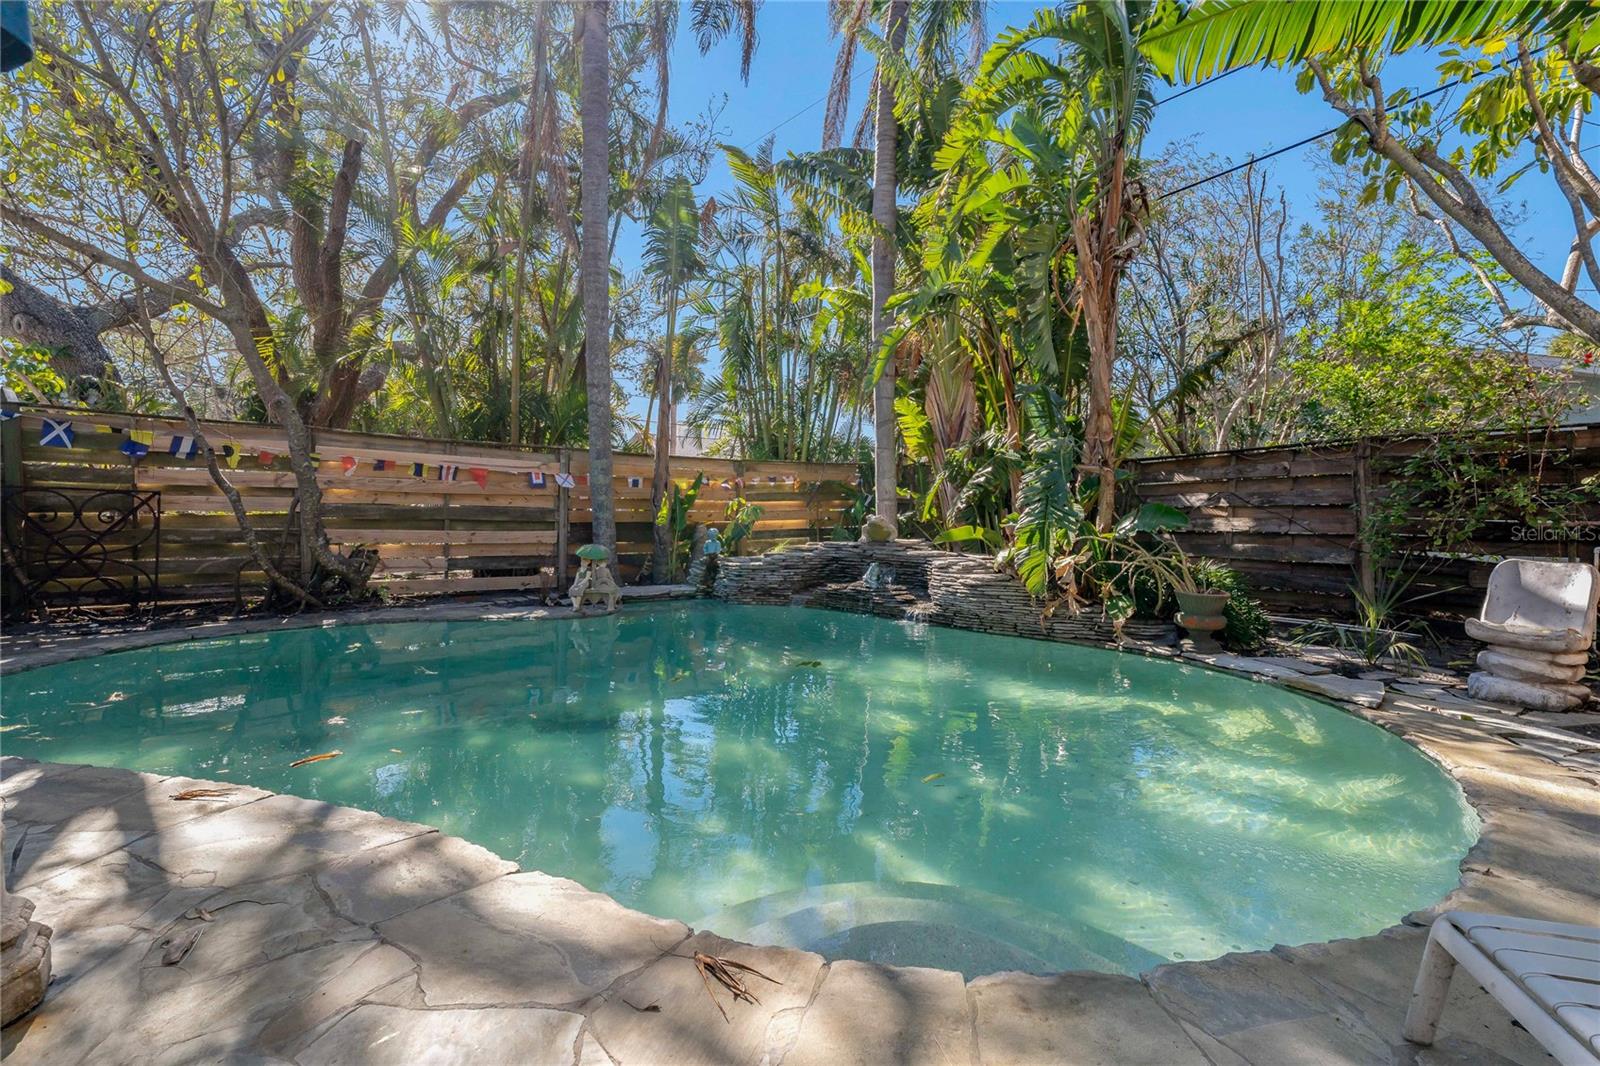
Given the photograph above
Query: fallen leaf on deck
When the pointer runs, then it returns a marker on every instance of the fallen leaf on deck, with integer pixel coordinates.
(199, 914)
(180, 944)
(931, 777)
(316, 758)
(723, 970)
(201, 793)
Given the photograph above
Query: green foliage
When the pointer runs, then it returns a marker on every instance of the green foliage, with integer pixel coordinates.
(1050, 511)
(1450, 493)
(674, 517)
(28, 371)
(672, 239)
(1205, 39)
(742, 516)
(1247, 623)
(1412, 350)
(1378, 633)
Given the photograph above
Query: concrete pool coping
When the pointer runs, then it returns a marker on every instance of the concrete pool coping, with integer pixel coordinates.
(341, 935)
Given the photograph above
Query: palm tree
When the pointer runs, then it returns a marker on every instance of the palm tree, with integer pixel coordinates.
(884, 452)
(594, 192)
(671, 260)
(712, 19)
(1216, 36)
(939, 23)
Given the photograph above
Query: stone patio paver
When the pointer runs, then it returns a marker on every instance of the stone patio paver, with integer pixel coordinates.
(686, 1027)
(1373, 976)
(527, 939)
(869, 1015)
(1339, 687)
(1090, 1019)
(391, 1034)
(386, 881)
(1263, 1009)
(285, 834)
(1276, 668)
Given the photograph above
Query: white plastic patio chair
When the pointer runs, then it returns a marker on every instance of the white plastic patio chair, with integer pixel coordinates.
(1545, 974)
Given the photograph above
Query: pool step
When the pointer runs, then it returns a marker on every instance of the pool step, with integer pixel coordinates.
(917, 924)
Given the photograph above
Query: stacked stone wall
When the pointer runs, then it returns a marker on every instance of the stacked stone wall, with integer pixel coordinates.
(927, 585)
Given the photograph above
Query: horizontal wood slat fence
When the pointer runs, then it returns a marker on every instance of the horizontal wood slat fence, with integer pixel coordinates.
(1289, 519)
(431, 534)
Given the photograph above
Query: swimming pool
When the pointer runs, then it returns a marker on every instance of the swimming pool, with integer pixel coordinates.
(859, 787)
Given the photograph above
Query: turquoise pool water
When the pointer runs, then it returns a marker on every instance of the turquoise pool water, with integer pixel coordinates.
(864, 788)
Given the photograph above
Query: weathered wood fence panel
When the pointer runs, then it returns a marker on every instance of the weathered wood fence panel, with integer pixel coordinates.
(1289, 519)
(502, 521)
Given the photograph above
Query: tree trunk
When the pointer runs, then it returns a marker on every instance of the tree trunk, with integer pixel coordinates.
(525, 224)
(1097, 240)
(594, 195)
(661, 560)
(884, 449)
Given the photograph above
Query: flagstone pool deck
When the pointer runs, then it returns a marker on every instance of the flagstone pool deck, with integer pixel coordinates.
(340, 936)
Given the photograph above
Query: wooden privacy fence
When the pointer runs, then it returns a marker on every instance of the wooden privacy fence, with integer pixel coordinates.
(1290, 519)
(443, 516)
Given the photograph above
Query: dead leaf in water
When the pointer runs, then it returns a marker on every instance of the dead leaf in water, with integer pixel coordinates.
(202, 793)
(316, 758)
(931, 777)
(808, 662)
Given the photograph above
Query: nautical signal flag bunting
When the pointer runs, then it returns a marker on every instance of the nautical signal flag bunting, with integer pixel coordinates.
(57, 434)
(137, 445)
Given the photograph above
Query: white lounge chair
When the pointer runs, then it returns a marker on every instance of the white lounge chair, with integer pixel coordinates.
(1545, 974)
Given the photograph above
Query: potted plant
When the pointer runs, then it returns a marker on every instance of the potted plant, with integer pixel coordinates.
(1200, 612)
(1201, 605)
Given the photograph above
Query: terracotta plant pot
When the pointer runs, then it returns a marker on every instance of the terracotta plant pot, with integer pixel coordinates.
(1201, 614)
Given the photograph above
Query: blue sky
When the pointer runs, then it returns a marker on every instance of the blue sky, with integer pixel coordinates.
(1249, 112)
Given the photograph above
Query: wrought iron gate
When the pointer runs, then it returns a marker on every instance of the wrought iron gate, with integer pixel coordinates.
(66, 547)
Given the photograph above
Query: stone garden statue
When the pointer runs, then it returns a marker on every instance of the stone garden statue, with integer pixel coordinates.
(594, 580)
(24, 955)
(877, 530)
(713, 544)
(1538, 619)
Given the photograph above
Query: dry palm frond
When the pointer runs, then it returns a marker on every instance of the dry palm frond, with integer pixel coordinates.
(316, 758)
(202, 793)
(723, 970)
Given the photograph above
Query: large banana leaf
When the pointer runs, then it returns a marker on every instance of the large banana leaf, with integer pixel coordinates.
(1215, 36)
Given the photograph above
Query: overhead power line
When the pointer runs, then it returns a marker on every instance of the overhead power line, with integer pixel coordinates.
(1199, 85)
(1254, 159)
